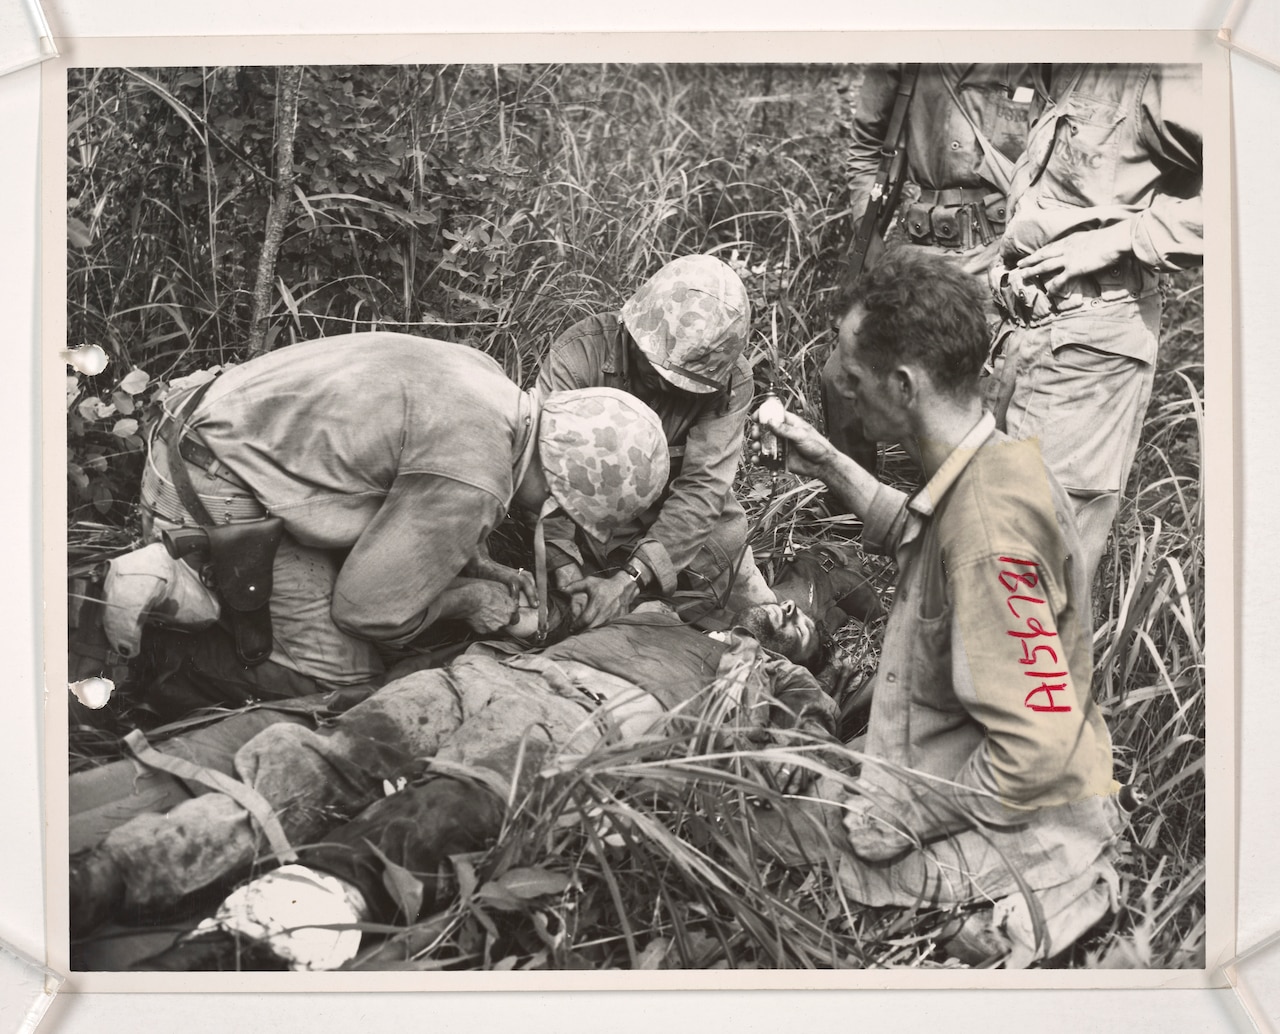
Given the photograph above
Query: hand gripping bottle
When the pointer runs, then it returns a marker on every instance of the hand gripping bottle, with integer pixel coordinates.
(773, 450)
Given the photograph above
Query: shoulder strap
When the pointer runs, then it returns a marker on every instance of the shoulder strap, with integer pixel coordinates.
(889, 174)
(242, 793)
(998, 167)
(178, 472)
(898, 120)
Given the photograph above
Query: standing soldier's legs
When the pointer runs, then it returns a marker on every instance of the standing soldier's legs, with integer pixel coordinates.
(1076, 385)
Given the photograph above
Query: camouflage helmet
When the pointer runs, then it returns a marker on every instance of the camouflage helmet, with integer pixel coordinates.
(690, 319)
(604, 455)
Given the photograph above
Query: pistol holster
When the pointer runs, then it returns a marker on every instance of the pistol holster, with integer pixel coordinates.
(240, 561)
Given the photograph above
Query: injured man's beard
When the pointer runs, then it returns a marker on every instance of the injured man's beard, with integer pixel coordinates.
(785, 629)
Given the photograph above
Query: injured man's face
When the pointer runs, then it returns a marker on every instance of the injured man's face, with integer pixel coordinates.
(783, 628)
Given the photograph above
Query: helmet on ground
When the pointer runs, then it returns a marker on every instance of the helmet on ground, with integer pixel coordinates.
(690, 320)
(149, 584)
(604, 455)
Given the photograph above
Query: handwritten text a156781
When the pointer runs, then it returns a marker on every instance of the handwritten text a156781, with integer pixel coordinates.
(1013, 581)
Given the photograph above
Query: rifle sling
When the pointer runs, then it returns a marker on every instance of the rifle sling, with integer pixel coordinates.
(890, 170)
(999, 167)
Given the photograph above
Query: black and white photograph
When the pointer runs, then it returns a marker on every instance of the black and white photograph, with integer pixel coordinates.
(558, 517)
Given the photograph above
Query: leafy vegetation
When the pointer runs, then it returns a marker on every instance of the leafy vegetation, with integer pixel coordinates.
(497, 205)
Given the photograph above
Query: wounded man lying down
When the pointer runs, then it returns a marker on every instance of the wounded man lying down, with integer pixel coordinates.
(487, 710)
(509, 715)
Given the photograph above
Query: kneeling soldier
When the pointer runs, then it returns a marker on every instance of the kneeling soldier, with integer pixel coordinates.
(351, 483)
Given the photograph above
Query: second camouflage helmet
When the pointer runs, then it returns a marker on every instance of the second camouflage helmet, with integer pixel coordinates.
(604, 455)
(690, 319)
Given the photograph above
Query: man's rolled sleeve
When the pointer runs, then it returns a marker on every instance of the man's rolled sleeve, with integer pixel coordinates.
(801, 702)
(653, 554)
(884, 521)
(1169, 235)
(426, 530)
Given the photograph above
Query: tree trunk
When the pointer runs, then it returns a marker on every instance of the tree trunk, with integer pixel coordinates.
(287, 84)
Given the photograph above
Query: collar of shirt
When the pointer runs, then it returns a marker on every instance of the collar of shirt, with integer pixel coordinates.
(923, 503)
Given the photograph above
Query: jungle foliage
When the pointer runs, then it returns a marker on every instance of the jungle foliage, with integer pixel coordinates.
(498, 205)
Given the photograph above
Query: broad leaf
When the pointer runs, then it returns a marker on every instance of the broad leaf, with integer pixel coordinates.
(466, 873)
(102, 499)
(88, 408)
(135, 382)
(497, 896)
(403, 886)
(531, 883)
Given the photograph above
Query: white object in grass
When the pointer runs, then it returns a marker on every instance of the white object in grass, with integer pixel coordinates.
(294, 910)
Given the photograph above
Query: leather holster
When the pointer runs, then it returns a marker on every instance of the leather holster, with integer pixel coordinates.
(240, 561)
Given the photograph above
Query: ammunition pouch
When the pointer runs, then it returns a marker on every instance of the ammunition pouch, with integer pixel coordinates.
(240, 559)
(960, 219)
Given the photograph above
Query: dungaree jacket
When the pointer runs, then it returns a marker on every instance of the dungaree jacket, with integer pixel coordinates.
(697, 518)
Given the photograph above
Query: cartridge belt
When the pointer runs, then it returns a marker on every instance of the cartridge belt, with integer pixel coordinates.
(959, 218)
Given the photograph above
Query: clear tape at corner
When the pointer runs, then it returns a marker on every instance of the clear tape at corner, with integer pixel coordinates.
(25, 38)
(1245, 30)
(27, 989)
(1254, 976)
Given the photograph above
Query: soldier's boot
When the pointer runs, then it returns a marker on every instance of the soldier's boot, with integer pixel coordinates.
(215, 950)
(95, 888)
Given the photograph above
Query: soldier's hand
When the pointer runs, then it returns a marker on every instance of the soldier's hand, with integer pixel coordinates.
(810, 453)
(564, 576)
(607, 598)
(517, 581)
(1077, 254)
(488, 606)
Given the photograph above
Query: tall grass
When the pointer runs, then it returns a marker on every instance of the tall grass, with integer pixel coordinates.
(498, 206)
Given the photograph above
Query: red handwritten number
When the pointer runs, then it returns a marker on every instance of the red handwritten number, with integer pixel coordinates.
(1019, 580)
(1011, 582)
(1009, 603)
(1037, 629)
(1030, 658)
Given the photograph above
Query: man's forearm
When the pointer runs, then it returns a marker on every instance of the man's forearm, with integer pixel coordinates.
(457, 601)
(852, 483)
